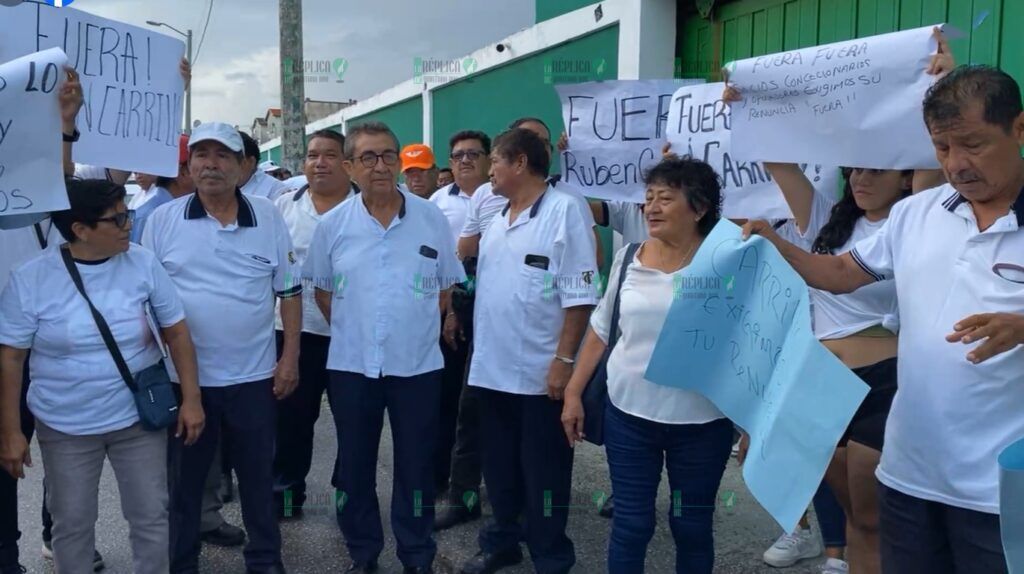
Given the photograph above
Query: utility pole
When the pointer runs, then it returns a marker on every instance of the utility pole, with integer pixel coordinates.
(293, 117)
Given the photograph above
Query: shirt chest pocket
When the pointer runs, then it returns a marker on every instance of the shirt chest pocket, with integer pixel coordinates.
(536, 281)
(1008, 282)
(426, 283)
(248, 263)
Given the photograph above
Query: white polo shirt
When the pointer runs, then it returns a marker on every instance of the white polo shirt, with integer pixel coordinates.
(385, 314)
(485, 205)
(262, 185)
(301, 217)
(227, 277)
(627, 219)
(950, 419)
(529, 271)
(454, 203)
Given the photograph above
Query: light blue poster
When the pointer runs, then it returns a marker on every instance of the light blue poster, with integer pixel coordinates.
(1011, 505)
(739, 332)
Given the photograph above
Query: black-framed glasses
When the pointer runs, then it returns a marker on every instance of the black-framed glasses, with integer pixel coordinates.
(471, 156)
(121, 219)
(369, 159)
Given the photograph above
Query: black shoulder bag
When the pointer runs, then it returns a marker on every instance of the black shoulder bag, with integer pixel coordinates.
(596, 393)
(151, 387)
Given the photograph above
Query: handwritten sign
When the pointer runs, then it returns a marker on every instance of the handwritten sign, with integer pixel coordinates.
(31, 169)
(616, 131)
(131, 118)
(856, 103)
(1011, 505)
(739, 333)
(700, 125)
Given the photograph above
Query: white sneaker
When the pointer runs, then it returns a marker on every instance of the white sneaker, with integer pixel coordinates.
(792, 548)
(835, 566)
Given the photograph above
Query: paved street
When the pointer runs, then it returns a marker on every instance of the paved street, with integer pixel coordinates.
(314, 545)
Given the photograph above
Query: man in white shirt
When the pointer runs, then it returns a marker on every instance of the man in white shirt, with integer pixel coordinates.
(147, 191)
(329, 185)
(458, 445)
(382, 265)
(254, 181)
(230, 256)
(536, 278)
(956, 253)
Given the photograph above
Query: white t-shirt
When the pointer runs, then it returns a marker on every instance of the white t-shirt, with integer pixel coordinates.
(529, 272)
(627, 219)
(227, 277)
(837, 316)
(76, 387)
(950, 418)
(301, 217)
(646, 297)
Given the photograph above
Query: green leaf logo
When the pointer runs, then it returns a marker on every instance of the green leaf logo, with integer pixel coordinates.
(599, 497)
(340, 67)
(470, 498)
(469, 65)
(599, 66)
(340, 498)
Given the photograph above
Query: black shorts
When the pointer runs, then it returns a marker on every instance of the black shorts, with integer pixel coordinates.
(868, 424)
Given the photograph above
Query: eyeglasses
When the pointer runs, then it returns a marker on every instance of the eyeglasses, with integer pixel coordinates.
(121, 220)
(470, 156)
(369, 159)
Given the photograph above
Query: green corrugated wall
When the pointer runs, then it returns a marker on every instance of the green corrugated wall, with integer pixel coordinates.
(548, 9)
(749, 28)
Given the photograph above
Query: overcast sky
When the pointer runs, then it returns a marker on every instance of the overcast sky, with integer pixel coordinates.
(236, 77)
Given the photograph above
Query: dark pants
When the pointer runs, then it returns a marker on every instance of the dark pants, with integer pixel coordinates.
(831, 518)
(527, 465)
(296, 419)
(466, 473)
(9, 533)
(246, 414)
(924, 536)
(695, 456)
(413, 404)
(452, 378)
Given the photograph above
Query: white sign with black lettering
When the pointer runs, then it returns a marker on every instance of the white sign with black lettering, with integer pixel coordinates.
(130, 79)
(700, 125)
(855, 103)
(31, 170)
(616, 131)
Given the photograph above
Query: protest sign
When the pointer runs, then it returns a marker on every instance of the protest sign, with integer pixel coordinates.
(700, 125)
(132, 87)
(739, 332)
(31, 147)
(855, 103)
(1011, 505)
(616, 131)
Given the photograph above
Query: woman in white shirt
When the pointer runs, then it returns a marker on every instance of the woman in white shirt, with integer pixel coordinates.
(84, 410)
(648, 426)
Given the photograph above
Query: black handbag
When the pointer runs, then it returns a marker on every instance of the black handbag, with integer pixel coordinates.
(595, 396)
(151, 387)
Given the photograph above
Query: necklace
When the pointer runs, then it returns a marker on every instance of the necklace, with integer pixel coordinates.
(685, 260)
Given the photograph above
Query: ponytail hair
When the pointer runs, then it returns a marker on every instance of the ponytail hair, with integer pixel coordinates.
(844, 218)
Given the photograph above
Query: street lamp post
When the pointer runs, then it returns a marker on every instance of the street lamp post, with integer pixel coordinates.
(188, 94)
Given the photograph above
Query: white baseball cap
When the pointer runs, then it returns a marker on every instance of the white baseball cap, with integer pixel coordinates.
(218, 132)
(269, 167)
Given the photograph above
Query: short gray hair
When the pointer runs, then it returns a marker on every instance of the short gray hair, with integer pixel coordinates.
(367, 128)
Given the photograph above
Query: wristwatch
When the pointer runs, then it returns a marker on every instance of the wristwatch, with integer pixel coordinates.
(73, 137)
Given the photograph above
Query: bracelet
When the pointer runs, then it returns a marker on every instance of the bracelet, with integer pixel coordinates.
(73, 137)
(565, 360)
(450, 314)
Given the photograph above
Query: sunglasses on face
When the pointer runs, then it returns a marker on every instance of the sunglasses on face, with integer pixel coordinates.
(471, 156)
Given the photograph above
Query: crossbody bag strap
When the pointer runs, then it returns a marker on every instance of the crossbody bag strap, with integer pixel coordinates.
(101, 323)
(627, 260)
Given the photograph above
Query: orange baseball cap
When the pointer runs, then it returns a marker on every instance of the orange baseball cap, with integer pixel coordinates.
(417, 155)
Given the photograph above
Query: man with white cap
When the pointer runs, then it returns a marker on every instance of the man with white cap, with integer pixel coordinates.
(254, 179)
(230, 256)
